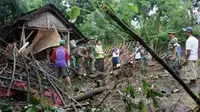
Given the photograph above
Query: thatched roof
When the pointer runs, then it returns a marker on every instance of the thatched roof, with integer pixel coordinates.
(11, 27)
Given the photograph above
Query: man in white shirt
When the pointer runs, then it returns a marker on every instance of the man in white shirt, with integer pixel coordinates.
(197, 16)
(191, 56)
(115, 57)
(137, 52)
(137, 55)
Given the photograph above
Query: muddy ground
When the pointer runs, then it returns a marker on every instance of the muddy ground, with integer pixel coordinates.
(175, 98)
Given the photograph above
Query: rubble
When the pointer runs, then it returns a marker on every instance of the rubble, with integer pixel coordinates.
(21, 74)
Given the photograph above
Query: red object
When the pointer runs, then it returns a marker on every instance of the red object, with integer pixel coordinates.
(16, 84)
(19, 84)
(53, 56)
(50, 93)
(3, 93)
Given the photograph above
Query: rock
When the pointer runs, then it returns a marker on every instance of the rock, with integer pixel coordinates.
(166, 90)
(175, 91)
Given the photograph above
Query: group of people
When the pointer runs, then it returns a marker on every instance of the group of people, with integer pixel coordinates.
(173, 56)
(89, 58)
(86, 58)
(190, 61)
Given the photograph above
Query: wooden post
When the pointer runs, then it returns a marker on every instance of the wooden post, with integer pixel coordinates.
(22, 40)
(68, 46)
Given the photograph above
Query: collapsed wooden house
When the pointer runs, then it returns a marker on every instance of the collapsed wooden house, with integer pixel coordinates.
(40, 29)
(34, 32)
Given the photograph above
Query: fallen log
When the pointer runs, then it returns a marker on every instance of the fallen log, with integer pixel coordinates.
(90, 94)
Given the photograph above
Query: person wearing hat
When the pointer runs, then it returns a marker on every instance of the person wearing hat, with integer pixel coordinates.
(190, 61)
(90, 65)
(173, 53)
(61, 56)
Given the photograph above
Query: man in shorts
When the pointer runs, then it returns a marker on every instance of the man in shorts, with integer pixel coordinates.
(61, 56)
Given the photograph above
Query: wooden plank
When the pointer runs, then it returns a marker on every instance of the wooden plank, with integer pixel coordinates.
(35, 28)
(130, 45)
(106, 49)
(29, 35)
(22, 40)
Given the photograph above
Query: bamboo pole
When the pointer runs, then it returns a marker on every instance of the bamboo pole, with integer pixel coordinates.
(128, 30)
(68, 46)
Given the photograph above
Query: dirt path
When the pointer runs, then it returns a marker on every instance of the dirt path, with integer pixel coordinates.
(175, 98)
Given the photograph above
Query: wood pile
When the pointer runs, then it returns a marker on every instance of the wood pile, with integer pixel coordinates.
(24, 77)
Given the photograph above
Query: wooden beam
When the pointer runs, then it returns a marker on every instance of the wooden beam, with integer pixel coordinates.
(37, 28)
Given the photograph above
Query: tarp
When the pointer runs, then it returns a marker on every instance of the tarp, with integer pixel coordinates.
(49, 38)
(43, 40)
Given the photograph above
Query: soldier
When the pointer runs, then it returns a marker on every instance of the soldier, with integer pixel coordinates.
(81, 55)
(143, 61)
(91, 59)
(72, 54)
(173, 53)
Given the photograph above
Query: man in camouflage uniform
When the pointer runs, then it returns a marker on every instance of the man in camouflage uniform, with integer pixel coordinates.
(81, 55)
(90, 63)
(143, 61)
(173, 54)
(72, 54)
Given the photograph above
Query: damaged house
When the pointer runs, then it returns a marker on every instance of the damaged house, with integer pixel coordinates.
(35, 32)
(39, 30)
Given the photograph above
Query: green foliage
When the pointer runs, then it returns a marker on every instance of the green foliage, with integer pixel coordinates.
(130, 90)
(37, 105)
(74, 12)
(132, 103)
(146, 86)
(134, 8)
(9, 9)
(5, 108)
(29, 5)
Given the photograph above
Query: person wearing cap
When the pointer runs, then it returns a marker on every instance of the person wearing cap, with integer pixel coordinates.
(61, 56)
(173, 53)
(190, 61)
(90, 66)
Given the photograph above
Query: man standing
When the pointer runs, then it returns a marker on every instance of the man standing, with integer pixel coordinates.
(137, 54)
(91, 50)
(99, 56)
(61, 56)
(115, 57)
(191, 56)
(173, 53)
(143, 61)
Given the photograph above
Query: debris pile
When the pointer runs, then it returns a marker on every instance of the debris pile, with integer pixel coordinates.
(21, 76)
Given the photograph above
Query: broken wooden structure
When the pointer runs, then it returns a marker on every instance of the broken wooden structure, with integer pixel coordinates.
(39, 30)
(36, 33)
